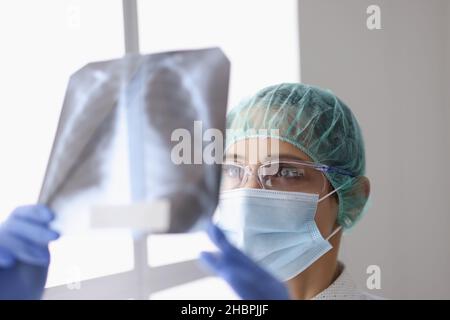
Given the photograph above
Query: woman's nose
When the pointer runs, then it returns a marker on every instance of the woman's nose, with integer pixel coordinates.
(252, 182)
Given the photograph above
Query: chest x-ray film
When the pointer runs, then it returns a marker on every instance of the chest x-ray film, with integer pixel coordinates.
(113, 145)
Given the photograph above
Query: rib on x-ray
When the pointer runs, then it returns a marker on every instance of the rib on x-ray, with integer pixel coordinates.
(113, 142)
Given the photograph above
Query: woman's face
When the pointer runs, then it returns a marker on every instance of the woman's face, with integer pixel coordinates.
(252, 152)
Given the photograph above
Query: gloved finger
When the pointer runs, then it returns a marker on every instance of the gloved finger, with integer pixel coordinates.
(211, 260)
(221, 263)
(32, 231)
(25, 251)
(37, 213)
(218, 264)
(240, 279)
(6, 258)
(219, 239)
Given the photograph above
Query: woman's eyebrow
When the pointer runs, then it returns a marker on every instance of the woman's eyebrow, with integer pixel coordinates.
(285, 156)
(281, 156)
(234, 157)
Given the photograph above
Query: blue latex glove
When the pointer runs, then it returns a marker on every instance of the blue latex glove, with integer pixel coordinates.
(24, 254)
(247, 279)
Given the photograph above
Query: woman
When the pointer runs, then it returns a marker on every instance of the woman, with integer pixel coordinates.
(287, 209)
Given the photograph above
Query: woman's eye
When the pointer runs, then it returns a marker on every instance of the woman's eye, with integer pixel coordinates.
(289, 172)
(231, 171)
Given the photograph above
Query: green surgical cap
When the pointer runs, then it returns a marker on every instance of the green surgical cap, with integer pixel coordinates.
(316, 122)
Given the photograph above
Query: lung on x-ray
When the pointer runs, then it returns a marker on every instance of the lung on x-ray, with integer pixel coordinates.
(112, 149)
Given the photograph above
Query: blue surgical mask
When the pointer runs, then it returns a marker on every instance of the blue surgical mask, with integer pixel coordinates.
(274, 228)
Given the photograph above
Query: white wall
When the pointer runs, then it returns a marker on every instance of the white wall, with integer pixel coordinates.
(396, 80)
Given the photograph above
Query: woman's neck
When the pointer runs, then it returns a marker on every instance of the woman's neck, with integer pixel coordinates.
(315, 279)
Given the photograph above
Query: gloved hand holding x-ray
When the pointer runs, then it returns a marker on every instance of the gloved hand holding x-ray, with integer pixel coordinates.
(112, 151)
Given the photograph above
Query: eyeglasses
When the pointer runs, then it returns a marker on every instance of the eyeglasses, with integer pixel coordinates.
(283, 175)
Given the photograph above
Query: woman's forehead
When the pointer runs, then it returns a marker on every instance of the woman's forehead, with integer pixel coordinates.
(261, 149)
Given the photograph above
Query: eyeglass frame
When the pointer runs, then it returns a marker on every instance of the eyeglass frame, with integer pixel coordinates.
(248, 171)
